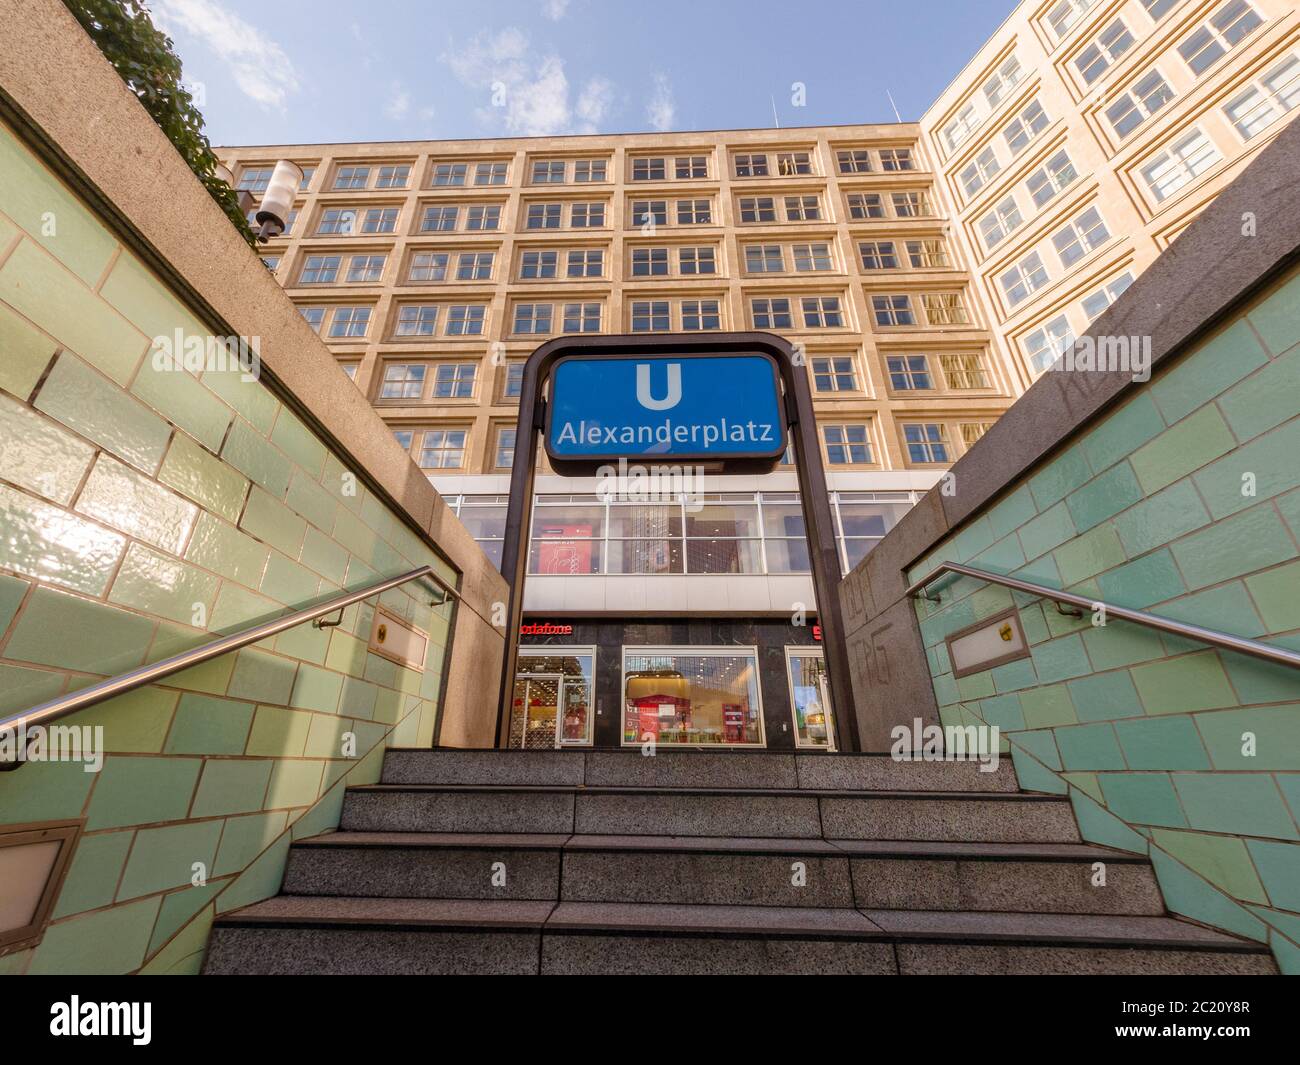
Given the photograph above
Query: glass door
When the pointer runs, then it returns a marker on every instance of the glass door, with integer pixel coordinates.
(552, 704)
(575, 705)
(810, 702)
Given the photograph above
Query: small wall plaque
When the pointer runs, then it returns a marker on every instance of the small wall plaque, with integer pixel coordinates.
(988, 643)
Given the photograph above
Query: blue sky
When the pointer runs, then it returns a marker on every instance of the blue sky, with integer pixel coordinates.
(340, 70)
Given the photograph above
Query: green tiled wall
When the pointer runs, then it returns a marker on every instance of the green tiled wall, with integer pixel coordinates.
(1184, 501)
(141, 512)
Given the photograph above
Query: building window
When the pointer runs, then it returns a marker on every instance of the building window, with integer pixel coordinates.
(490, 173)
(751, 166)
(308, 172)
(677, 696)
(587, 215)
(892, 310)
(793, 164)
(700, 314)
(771, 313)
(255, 179)
(1098, 301)
(417, 320)
(812, 258)
(691, 167)
(548, 172)
(313, 316)
(447, 175)
(972, 431)
(909, 204)
(1004, 79)
(834, 373)
(963, 372)
(533, 317)
(543, 216)
(428, 266)
(439, 219)
(483, 217)
(878, 255)
(442, 449)
(1084, 234)
(981, 169)
(349, 368)
(853, 161)
(945, 308)
(589, 170)
(651, 316)
(466, 320)
(1267, 99)
(802, 209)
(454, 380)
(1025, 277)
(513, 386)
(319, 270)
(582, 317)
(866, 205)
(1003, 219)
(503, 456)
(961, 127)
(352, 177)
(650, 212)
(1049, 179)
(1212, 41)
(350, 322)
(402, 381)
(364, 268)
(649, 169)
(271, 262)
(1150, 94)
(927, 255)
(693, 213)
(1158, 8)
(1110, 44)
(393, 177)
(926, 442)
(821, 312)
(896, 159)
(757, 209)
(649, 262)
(808, 699)
(380, 220)
(586, 262)
(336, 221)
(696, 261)
(539, 264)
(1045, 345)
(475, 266)
(846, 445)
(1066, 14)
(909, 373)
(1024, 128)
(1179, 165)
(764, 259)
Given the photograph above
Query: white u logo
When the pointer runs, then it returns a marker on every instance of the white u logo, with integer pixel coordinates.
(669, 401)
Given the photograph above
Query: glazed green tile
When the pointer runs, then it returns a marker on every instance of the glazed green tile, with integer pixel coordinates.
(358, 698)
(262, 463)
(1060, 659)
(1010, 513)
(96, 868)
(1034, 776)
(164, 857)
(1222, 860)
(1160, 518)
(48, 543)
(1041, 744)
(294, 782)
(225, 550)
(119, 496)
(1059, 478)
(248, 396)
(1256, 471)
(232, 786)
(1014, 676)
(1118, 643)
(382, 671)
(1150, 579)
(179, 907)
(1002, 557)
(134, 723)
(1122, 433)
(1227, 608)
(1289, 507)
(160, 585)
(237, 608)
(323, 555)
(1047, 707)
(1087, 783)
(1267, 731)
(245, 838)
(305, 642)
(388, 706)
(180, 397)
(272, 522)
(342, 483)
(354, 534)
(973, 539)
(21, 688)
(56, 629)
(359, 574)
(311, 501)
(1265, 399)
(316, 689)
(289, 583)
(1194, 442)
(107, 942)
(1289, 785)
(34, 198)
(1161, 743)
(1253, 540)
(259, 881)
(24, 354)
(1048, 530)
(138, 791)
(1276, 319)
(1003, 711)
(262, 678)
(1213, 367)
(1089, 554)
(1262, 682)
(1276, 592)
(346, 654)
(1104, 697)
(212, 676)
(1279, 867)
(1142, 798)
(147, 303)
(89, 404)
(1103, 497)
(1089, 747)
(208, 725)
(326, 736)
(292, 437)
(38, 455)
(12, 591)
(204, 478)
(1186, 683)
(1244, 803)
(278, 732)
(1099, 825)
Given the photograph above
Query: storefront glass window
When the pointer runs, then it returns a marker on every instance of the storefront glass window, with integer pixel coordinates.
(809, 699)
(691, 696)
(552, 704)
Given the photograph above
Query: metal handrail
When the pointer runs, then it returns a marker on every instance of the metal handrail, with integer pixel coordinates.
(119, 685)
(1255, 648)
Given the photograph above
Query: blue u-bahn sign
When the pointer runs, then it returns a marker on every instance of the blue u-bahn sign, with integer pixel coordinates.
(723, 409)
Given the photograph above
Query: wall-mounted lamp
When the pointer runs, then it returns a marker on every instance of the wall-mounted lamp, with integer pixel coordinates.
(277, 201)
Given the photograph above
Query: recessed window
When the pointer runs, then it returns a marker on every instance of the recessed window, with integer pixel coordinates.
(696, 261)
(255, 179)
(1026, 277)
(909, 204)
(1025, 127)
(649, 169)
(897, 159)
(393, 177)
(878, 255)
(1082, 235)
(963, 372)
(543, 216)
(651, 316)
(846, 445)
(757, 209)
(966, 122)
(337, 221)
(1065, 14)
(1096, 302)
(975, 175)
(1179, 165)
(1004, 79)
(587, 215)
(821, 312)
(926, 442)
(649, 262)
(793, 164)
(812, 258)
(466, 319)
(313, 316)
(684, 696)
(1045, 345)
(893, 310)
(750, 165)
(503, 456)
(700, 314)
(380, 220)
(586, 262)
(1214, 39)
(649, 212)
(945, 308)
(1048, 180)
(490, 173)
(319, 270)
(802, 209)
(927, 255)
(582, 318)
(694, 212)
(548, 171)
(539, 264)
(1133, 108)
(589, 170)
(513, 385)
(1268, 99)
(474, 266)
(308, 172)
(402, 381)
(483, 217)
(764, 259)
(350, 322)
(533, 317)
(854, 161)
(417, 320)
(352, 177)
(1157, 9)
(909, 373)
(866, 205)
(365, 268)
(972, 431)
(1110, 44)
(454, 380)
(404, 438)
(691, 167)
(428, 266)
(834, 373)
(771, 313)
(1003, 219)
(450, 175)
(439, 219)
(442, 449)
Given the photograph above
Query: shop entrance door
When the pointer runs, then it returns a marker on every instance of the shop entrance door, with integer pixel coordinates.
(551, 708)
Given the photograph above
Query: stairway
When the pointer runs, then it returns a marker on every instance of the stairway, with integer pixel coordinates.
(710, 862)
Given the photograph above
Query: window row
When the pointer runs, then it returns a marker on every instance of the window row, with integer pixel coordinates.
(1071, 242)
(1045, 344)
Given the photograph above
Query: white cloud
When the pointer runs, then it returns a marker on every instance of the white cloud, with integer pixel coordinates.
(660, 110)
(258, 65)
(398, 104)
(529, 96)
(555, 9)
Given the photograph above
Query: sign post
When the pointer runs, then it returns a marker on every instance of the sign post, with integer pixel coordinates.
(723, 401)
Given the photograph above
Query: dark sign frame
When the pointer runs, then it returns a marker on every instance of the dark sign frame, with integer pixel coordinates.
(797, 411)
